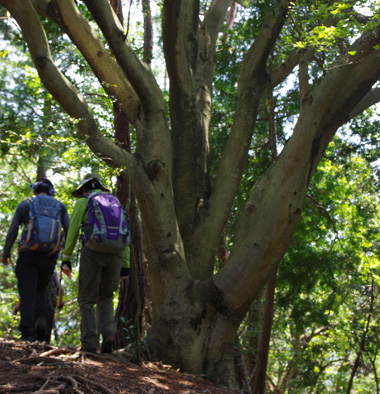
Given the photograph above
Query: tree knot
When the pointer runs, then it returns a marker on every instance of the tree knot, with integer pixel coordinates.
(41, 61)
(167, 256)
(153, 168)
(215, 296)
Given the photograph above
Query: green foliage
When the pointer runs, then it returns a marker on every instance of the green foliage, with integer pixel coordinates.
(8, 298)
(135, 343)
(326, 281)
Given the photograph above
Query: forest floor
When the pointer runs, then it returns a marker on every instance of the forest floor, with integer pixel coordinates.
(43, 369)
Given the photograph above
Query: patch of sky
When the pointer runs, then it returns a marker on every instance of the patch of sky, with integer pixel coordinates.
(133, 22)
(366, 7)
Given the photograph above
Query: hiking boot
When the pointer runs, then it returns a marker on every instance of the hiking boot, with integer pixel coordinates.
(88, 349)
(27, 339)
(41, 329)
(107, 344)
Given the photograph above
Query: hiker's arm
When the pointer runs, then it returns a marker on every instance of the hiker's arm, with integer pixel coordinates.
(74, 228)
(20, 217)
(65, 218)
(124, 272)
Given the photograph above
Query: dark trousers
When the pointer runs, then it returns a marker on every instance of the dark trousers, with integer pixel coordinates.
(49, 316)
(33, 271)
(99, 275)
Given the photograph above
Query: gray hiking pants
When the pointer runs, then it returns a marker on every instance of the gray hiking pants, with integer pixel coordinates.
(99, 275)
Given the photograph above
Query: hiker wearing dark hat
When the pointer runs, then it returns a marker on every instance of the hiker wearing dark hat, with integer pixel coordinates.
(54, 299)
(99, 272)
(43, 217)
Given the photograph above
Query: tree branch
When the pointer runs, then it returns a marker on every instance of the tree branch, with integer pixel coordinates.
(371, 98)
(189, 47)
(285, 69)
(303, 77)
(137, 73)
(276, 201)
(335, 98)
(59, 86)
(207, 38)
(67, 16)
(173, 26)
(252, 83)
(214, 19)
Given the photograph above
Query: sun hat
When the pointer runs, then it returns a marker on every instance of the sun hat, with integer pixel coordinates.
(86, 179)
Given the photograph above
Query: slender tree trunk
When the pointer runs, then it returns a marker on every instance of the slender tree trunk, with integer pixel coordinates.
(253, 322)
(373, 363)
(118, 8)
(148, 32)
(44, 161)
(362, 342)
(41, 170)
(262, 361)
(131, 296)
(230, 19)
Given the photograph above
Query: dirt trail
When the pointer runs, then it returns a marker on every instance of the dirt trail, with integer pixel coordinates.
(44, 369)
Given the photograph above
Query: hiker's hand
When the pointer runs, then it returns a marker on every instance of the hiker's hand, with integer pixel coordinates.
(16, 308)
(60, 306)
(66, 268)
(124, 273)
(6, 260)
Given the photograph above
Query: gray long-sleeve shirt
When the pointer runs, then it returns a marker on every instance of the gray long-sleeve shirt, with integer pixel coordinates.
(21, 217)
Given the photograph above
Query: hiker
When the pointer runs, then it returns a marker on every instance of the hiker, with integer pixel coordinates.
(43, 217)
(54, 299)
(101, 260)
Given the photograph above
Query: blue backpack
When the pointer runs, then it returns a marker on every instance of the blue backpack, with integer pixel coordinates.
(43, 232)
(107, 229)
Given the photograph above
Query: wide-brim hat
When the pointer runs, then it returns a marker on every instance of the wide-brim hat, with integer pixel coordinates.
(86, 179)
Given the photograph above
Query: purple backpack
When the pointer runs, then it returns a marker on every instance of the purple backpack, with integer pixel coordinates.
(107, 229)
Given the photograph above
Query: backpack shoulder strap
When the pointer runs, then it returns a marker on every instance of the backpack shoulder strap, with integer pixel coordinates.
(85, 196)
(31, 206)
(95, 193)
(28, 225)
